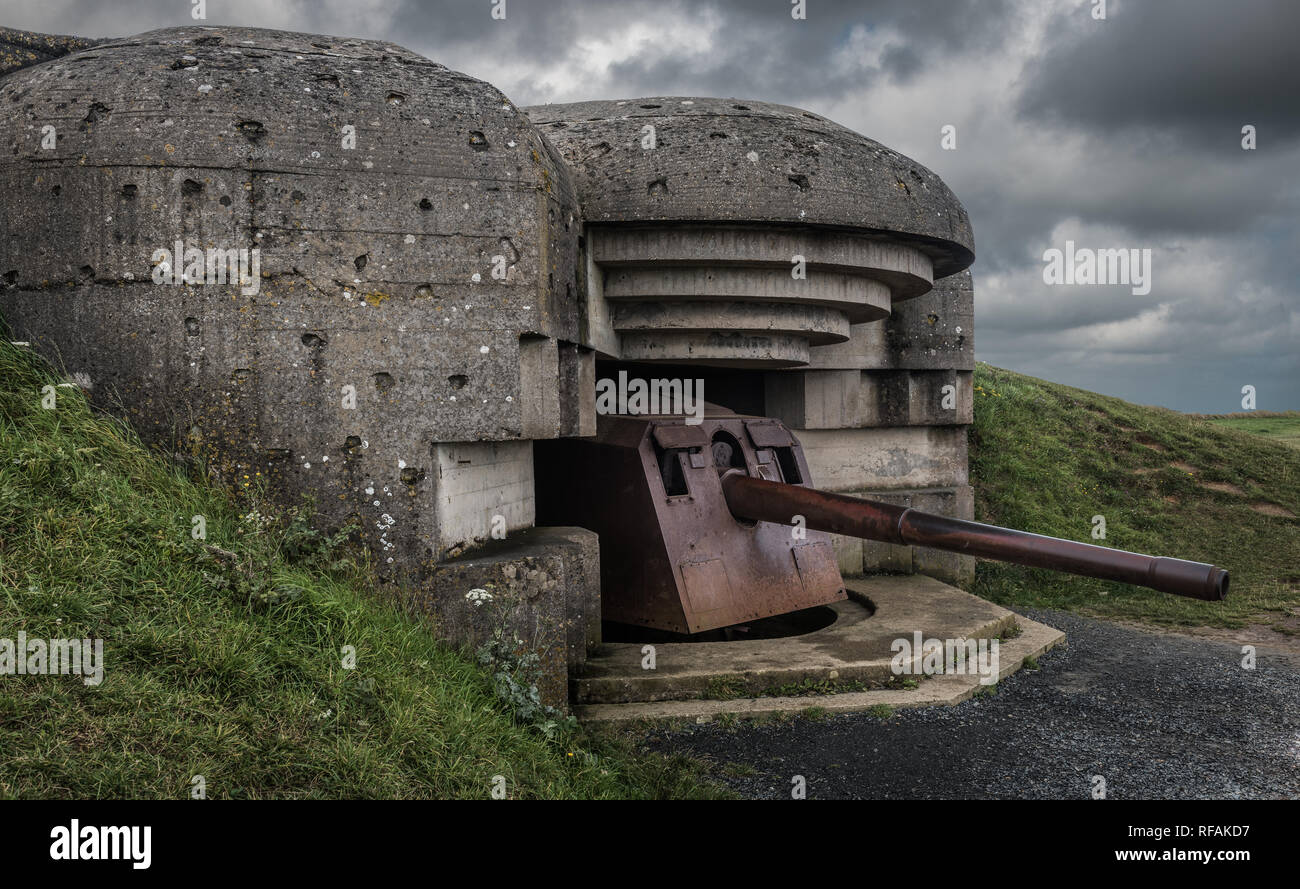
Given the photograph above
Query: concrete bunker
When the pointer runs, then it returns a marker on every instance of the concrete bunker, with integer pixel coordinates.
(330, 266)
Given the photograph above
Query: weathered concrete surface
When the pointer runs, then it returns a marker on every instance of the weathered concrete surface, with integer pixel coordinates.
(858, 647)
(957, 501)
(377, 328)
(901, 457)
(743, 295)
(931, 332)
(21, 49)
(544, 589)
(745, 161)
(851, 399)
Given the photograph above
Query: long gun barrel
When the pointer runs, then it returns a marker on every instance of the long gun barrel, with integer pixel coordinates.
(756, 499)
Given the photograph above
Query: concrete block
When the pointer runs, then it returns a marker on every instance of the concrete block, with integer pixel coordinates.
(888, 558)
(848, 399)
(545, 591)
(886, 458)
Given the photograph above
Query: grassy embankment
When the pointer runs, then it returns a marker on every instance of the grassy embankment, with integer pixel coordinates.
(1047, 458)
(231, 667)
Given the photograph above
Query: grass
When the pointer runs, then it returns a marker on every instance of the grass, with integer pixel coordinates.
(1048, 458)
(1279, 426)
(230, 666)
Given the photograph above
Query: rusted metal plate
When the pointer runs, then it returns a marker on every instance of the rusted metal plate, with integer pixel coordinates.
(680, 436)
(672, 554)
(817, 566)
(708, 588)
(768, 434)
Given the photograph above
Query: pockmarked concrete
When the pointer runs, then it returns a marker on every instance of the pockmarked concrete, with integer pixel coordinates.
(1120, 712)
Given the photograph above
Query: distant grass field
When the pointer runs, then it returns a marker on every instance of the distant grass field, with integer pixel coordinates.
(1047, 458)
(241, 682)
(1282, 426)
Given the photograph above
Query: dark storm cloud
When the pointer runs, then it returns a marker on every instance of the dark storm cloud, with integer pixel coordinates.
(763, 52)
(1202, 69)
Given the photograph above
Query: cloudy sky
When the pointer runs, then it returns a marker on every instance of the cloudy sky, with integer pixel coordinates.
(1123, 132)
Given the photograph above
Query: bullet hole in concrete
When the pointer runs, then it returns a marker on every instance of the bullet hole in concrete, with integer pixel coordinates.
(741, 107)
(56, 190)
(717, 135)
(296, 195)
(191, 326)
(657, 186)
(207, 41)
(353, 444)
(507, 248)
(412, 476)
(225, 200)
(130, 191)
(96, 111)
(360, 262)
(182, 63)
(11, 276)
(425, 204)
(800, 181)
(424, 291)
(313, 341)
(241, 374)
(395, 99)
(932, 319)
(917, 176)
(328, 79)
(458, 381)
(190, 187)
(478, 141)
(384, 381)
(651, 106)
(252, 129)
(604, 147)
(87, 272)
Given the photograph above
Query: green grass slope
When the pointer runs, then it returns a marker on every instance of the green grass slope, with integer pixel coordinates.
(230, 667)
(1047, 458)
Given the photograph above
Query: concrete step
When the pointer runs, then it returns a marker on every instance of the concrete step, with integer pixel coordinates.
(946, 690)
(857, 647)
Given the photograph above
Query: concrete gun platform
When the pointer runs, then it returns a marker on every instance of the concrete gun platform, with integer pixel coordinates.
(855, 649)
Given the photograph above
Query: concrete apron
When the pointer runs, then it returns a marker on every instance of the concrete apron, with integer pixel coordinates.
(615, 688)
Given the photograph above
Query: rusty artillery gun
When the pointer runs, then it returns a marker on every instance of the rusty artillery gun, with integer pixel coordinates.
(710, 525)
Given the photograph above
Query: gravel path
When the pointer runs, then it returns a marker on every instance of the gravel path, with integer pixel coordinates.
(1157, 716)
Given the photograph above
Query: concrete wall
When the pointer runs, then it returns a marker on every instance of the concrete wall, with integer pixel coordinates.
(413, 321)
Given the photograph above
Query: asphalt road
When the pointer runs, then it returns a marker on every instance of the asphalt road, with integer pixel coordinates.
(1157, 716)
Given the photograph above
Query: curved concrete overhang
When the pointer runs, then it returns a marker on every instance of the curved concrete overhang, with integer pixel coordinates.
(697, 208)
